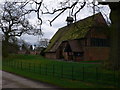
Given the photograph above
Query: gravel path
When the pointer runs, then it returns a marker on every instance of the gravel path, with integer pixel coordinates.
(13, 81)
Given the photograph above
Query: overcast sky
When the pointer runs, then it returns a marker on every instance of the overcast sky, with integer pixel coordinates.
(48, 30)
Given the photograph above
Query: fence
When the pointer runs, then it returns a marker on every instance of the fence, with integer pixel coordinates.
(88, 74)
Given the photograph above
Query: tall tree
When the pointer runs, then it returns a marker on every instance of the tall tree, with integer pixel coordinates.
(13, 22)
(115, 37)
(114, 60)
(43, 42)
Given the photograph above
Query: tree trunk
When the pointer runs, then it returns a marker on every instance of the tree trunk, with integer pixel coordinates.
(114, 62)
(5, 47)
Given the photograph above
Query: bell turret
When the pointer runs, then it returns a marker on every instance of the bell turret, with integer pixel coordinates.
(69, 20)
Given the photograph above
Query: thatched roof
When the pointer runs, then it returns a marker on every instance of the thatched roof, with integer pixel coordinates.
(76, 30)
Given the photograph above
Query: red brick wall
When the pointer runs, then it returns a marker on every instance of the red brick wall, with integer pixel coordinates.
(21, 52)
(33, 52)
(68, 57)
(94, 34)
(90, 54)
(50, 55)
(78, 58)
(96, 53)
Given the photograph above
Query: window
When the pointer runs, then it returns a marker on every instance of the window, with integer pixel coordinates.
(83, 42)
(99, 42)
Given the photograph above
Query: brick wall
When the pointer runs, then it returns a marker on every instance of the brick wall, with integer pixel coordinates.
(50, 55)
(96, 53)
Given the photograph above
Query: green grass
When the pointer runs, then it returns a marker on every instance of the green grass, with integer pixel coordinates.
(41, 60)
(60, 72)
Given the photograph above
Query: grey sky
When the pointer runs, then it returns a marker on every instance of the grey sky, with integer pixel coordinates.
(58, 23)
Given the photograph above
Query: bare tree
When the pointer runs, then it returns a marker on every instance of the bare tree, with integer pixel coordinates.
(64, 5)
(41, 7)
(114, 60)
(43, 42)
(13, 21)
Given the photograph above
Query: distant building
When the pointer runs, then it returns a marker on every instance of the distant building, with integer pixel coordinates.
(87, 39)
(22, 52)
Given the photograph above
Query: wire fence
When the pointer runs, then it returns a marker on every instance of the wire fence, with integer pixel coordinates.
(81, 73)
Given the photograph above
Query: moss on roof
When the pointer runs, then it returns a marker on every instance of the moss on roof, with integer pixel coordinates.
(76, 30)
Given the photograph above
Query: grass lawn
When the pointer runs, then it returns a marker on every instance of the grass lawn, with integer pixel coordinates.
(61, 73)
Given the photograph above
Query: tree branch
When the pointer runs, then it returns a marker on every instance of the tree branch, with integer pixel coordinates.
(56, 17)
(61, 9)
(84, 3)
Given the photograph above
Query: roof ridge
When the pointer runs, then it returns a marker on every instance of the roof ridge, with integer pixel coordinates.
(99, 13)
